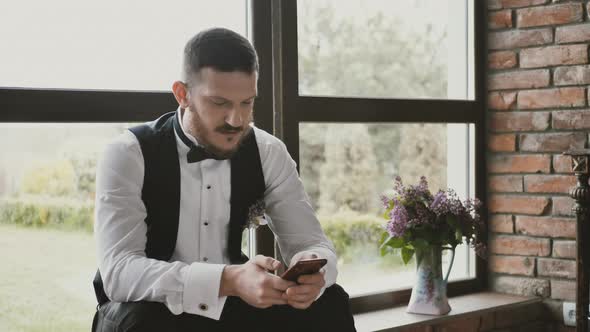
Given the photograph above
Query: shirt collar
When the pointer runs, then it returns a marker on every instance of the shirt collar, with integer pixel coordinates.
(181, 133)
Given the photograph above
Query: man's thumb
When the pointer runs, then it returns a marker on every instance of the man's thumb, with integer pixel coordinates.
(267, 263)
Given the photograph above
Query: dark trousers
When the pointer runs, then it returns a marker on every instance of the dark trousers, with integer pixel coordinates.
(331, 312)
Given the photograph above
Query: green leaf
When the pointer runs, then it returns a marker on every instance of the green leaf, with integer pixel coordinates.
(395, 242)
(407, 254)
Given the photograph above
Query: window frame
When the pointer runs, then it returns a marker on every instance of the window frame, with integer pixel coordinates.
(278, 109)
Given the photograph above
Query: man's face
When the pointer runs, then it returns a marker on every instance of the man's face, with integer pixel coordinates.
(220, 109)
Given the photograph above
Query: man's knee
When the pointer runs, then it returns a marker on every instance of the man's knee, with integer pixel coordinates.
(134, 316)
(335, 294)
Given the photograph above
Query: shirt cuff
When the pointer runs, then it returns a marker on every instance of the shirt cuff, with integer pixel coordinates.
(201, 290)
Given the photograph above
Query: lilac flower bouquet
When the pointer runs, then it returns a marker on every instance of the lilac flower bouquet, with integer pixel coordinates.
(417, 219)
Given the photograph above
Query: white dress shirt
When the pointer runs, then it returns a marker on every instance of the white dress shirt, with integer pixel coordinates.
(190, 281)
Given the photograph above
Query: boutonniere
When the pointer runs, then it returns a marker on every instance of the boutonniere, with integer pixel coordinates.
(256, 215)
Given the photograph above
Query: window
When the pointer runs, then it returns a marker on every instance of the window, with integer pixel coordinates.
(372, 90)
(81, 73)
(346, 166)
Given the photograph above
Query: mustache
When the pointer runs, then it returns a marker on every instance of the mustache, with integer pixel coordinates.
(226, 128)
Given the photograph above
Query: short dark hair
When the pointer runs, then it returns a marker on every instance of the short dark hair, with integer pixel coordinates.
(221, 49)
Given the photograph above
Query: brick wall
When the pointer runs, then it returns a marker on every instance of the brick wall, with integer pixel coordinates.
(538, 77)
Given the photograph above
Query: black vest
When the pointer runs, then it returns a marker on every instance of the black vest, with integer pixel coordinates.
(161, 191)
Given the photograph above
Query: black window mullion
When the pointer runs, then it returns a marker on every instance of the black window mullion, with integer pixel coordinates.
(61, 105)
(335, 109)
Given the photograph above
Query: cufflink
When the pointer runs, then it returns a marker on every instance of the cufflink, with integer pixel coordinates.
(203, 307)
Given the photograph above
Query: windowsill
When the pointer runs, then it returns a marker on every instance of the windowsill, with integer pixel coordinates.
(395, 319)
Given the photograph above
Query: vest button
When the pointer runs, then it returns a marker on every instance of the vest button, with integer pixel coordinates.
(205, 259)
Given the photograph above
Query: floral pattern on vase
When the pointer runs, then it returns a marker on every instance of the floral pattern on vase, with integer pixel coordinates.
(429, 294)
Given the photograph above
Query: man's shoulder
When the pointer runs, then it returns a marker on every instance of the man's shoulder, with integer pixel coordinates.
(268, 143)
(123, 146)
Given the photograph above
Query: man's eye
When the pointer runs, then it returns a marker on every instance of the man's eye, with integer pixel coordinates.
(219, 103)
(249, 102)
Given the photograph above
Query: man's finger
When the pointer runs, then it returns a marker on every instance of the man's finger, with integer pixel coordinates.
(281, 284)
(272, 294)
(299, 305)
(301, 297)
(267, 263)
(301, 289)
(315, 278)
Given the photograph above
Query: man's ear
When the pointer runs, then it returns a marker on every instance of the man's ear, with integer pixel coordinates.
(180, 91)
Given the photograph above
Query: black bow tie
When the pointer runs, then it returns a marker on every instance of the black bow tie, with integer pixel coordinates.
(198, 153)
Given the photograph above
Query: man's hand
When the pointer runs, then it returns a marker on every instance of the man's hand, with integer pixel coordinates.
(309, 286)
(253, 283)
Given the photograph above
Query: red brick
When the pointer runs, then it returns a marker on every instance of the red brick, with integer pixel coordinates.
(501, 100)
(552, 142)
(521, 286)
(519, 164)
(513, 319)
(571, 119)
(500, 19)
(519, 121)
(549, 183)
(572, 33)
(518, 204)
(553, 56)
(519, 38)
(502, 60)
(564, 249)
(562, 164)
(501, 223)
(502, 143)
(505, 183)
(520, 245)
(562, 206)
(546, 226)
(562, 97)
(519, 3)
(494, 4)
(563, 290)
(560, 268)
(519, 80)
(576, 75)
(550, 15)
(512, 265)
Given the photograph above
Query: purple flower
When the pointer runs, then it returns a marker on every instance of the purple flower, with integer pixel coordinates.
(396, 226)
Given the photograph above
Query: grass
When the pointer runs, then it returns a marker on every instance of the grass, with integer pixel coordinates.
(46, 280)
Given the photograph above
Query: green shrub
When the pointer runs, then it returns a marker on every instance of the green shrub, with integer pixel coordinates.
(356, 237)
(45, 212)
(56, 178)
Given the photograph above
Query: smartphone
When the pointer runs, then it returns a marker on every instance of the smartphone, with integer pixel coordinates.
(304, 266)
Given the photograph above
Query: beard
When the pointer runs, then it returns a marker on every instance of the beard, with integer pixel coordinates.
(203, 134)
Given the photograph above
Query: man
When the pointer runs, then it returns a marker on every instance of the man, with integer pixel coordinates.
(173, 197)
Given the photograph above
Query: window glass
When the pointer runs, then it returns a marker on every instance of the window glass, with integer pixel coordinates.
(346, 167)
(107, 44)
(385, 49)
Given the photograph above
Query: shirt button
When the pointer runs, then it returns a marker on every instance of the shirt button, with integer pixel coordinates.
(209, 187)
(203, 307)
(205, 259)
(206, 223)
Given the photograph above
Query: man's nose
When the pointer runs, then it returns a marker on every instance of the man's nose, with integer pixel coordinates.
(234, 118)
